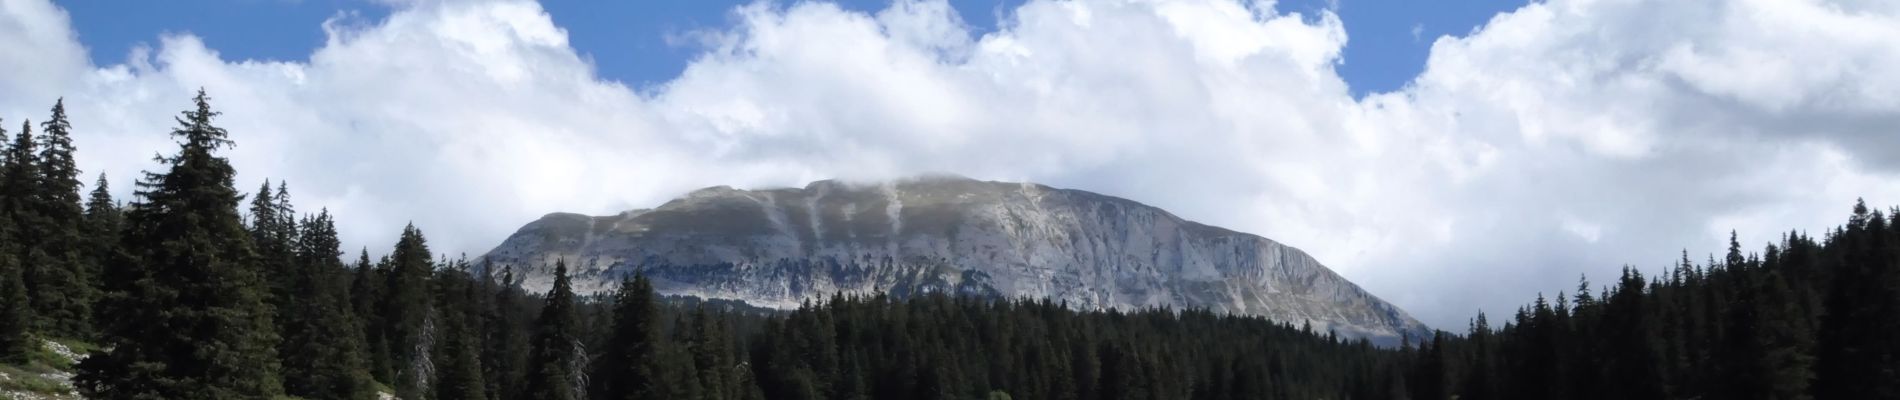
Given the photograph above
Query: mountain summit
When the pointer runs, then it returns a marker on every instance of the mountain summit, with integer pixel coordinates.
(780, 247)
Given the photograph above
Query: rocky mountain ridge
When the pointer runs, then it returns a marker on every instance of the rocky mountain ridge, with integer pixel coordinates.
(780, 247)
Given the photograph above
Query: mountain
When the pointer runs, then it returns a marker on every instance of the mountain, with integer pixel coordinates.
(780, 247)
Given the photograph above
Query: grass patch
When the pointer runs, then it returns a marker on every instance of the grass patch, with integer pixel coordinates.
(22, 380)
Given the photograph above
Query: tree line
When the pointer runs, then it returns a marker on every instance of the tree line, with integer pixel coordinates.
(1804, 318)
(195, 290)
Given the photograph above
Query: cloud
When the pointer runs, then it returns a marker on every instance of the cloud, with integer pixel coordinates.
(1562, 138)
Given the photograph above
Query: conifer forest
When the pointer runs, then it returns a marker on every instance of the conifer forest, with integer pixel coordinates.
(200, 287)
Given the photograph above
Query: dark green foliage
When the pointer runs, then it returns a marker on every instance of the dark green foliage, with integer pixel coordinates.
(505, 347)
(1859, 350)
(366, 298)
(63, 284)
(273, 228)
(16, 312)
(708, 341)
(458, 365)
(103, 226)
(630, 366)
(934, 346)
(16, 315)
(555, 360)
(193, 322)
(322, 352)
(407, 313)
(1803, 319)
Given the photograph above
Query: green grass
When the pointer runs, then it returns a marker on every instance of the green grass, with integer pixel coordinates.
(46, 360)
(24, 380)
(27, 378)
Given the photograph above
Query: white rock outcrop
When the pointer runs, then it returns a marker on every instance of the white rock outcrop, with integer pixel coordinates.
(780, 247)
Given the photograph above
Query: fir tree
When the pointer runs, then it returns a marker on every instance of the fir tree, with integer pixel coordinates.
(1481, 380)
(64, 285)
(196, 325)
(322, 349)
(552, 364)
(1858, 353)
(16, 315)
(408, 314)
(19, 195)
(366, 297)
(629, 368)
(273, 230)
(505, 351)
(104, 223)
(459, 369)
(712, 356)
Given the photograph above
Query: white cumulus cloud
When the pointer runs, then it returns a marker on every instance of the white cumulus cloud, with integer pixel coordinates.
(1562, 138)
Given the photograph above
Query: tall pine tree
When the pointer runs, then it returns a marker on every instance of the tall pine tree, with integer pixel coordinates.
(104, 224)
(556, 357)
(1858, 352)
(322, 347)
(195, 325)
(64, 286)
(458, 351)
(408, 314)
(629, 368)
(16, 313)
(505, 351)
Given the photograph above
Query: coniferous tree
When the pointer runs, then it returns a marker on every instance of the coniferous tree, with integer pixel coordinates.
(554, 361)
(322, 349)
(366, 297)
(708, 343)
(1858, 353)
(629, 367)
(505, 351)
(20, 181)
(16, 313)
(408, 314)
(1481, 381)
(1429, 384)
(64, 283)
(103, 226)
(273, 229)
(195, 324)
(459, 369)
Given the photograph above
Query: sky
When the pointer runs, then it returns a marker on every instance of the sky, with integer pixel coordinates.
(1449, 156)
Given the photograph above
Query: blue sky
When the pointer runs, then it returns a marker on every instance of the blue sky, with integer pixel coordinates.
(628, 40)
(1520, 161)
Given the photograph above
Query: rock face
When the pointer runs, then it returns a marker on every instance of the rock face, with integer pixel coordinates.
(779, 247)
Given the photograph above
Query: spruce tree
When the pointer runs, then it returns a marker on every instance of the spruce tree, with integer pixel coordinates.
(556, 355)
(458, 353)
(195, 323)
(16, 313)
(65, 284)
(505, 351)
(408, 314)
(1481, 380)
(629, 368)
(104, 223)
(712, 355)
(19, 191)
(1858, 355)
(273, 230)
(366, 297)
(322, 349)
